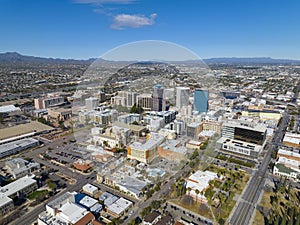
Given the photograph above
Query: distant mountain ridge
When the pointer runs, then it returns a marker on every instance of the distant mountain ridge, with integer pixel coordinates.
(14, 57)
(250, 60)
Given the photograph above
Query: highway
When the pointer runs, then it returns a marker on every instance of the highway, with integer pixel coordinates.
(247, 205)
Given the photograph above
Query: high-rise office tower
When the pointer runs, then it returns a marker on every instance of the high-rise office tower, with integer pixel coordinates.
(182, 97)
(145, 101)
(201, 100)
(158, 101)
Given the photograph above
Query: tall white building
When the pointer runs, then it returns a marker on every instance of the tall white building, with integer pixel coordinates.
(182, 97)
(48, 101)
(91, 103)
(124, 98)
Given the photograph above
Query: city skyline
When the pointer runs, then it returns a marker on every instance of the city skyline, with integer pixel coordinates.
(82, 29)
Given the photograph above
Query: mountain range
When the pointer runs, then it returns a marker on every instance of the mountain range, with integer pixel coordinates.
(15, 58)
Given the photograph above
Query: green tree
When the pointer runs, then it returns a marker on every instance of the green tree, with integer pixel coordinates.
(221, 221)
(136, 109)
(155, 204)
(51, 184)
(283, 220)
(146, 211)
(197, 192)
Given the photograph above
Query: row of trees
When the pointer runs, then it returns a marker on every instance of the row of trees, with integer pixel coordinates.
(136, 109)
(154, 205)
(285, 208)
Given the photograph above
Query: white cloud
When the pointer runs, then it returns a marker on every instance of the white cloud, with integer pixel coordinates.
(135, 21)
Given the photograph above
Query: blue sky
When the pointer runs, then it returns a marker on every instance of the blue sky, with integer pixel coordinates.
(211, 28)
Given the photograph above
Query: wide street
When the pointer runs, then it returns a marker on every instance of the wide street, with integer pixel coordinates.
(247, 205)
(159, 195)
(31, 216)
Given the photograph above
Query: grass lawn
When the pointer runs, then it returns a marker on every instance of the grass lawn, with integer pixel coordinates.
(224, 210)
(241, 179)
(194, 207)
(265, 200)
(217, 183)
(37, 194)
(259, 218)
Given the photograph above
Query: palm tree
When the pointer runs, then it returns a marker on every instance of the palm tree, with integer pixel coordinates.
(197, 192)
(189, 191)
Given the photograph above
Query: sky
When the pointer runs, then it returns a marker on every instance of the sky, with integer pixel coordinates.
(83, 29)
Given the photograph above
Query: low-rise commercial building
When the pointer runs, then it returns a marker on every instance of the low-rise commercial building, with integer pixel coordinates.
(19, 167)
(108, 198)
(282, 170)
(193, 130)
(293, 155)
(50, 100)
(199, 181)
(9, 110)
(152, 218)
(60, 114)
(64, 211)
(119, 207)
(19, 188)
(147, 151)
(232, 146)
(131, 185)
(90, 189)
(172, 150)
(114, 136)
(210, 125)
(83, 165)
(17, 146)
(22, 131)
(195, 145)
(291, 140)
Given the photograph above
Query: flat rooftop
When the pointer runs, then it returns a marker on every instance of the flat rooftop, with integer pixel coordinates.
(292, 138)
(88, 201)
(154, 140)
(90, 188)
(72, 212)
(4, 200)
(53, 220)
(108, 198)
(289, 153)
(23, 143)
(245, 125)
(9, 108)
(194, 124)
(16, 186)
(200, 180)
(32, 127)
(238, 143)
(59, 200)
(135, 128)
(132, 184)
(172, 145)
(120, 206)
